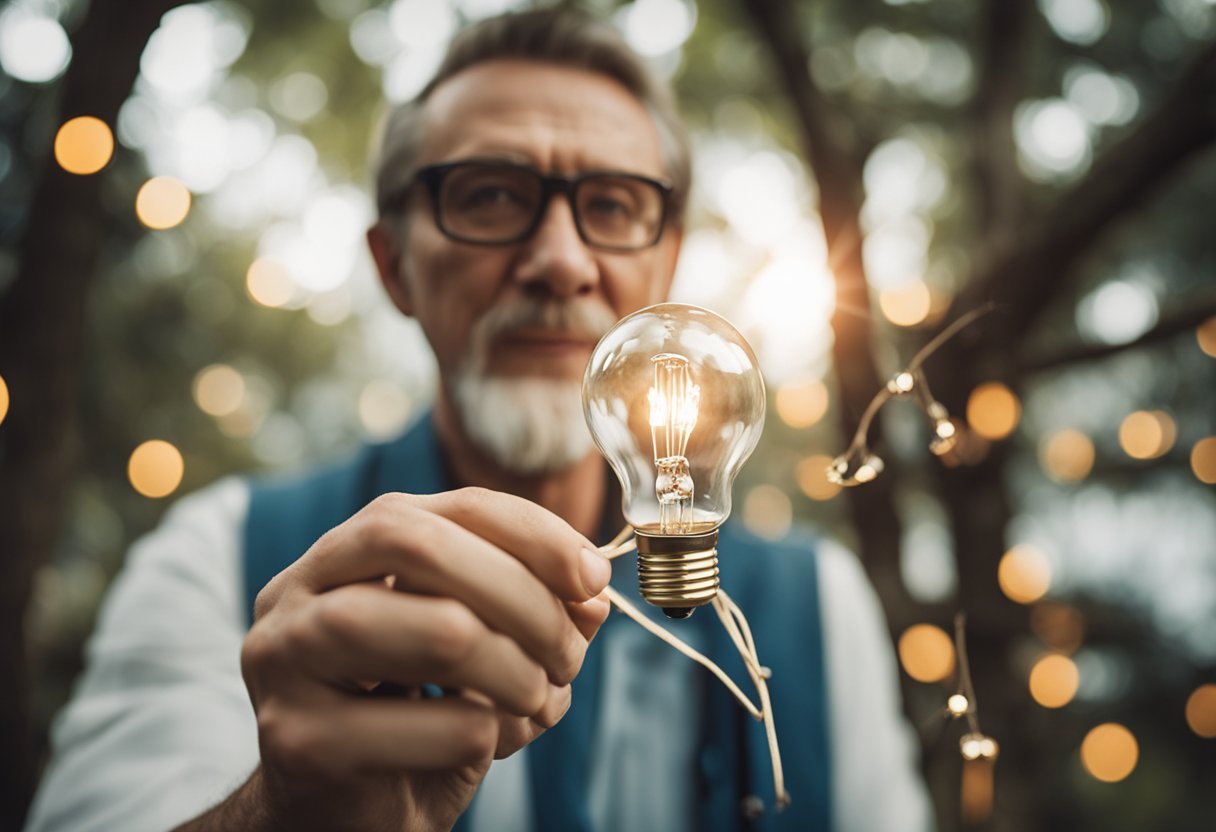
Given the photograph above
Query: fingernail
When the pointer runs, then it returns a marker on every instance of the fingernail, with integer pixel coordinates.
(596, 571)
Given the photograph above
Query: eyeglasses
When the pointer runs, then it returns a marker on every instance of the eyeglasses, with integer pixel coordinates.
(493, 203)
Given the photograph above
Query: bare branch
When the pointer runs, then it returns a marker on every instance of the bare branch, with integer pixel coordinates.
(1021, 274)
(1182, 318)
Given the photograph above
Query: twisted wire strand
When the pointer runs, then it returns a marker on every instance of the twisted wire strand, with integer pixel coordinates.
(736, 626)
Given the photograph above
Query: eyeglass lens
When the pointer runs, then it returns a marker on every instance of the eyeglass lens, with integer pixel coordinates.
(500, 203)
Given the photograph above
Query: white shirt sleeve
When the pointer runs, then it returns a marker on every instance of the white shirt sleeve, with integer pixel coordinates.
(876, 782)
(160, 727)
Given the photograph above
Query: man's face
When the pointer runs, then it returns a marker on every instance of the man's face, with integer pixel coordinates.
(556, 119)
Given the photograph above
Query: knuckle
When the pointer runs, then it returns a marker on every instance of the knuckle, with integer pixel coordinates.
(538, 692)
(336, 619)
(379, 530)
(479, 739)
(454, 633)
(569, 652)
(286, 742)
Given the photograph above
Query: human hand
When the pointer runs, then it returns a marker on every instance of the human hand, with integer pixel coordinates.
(492, 597)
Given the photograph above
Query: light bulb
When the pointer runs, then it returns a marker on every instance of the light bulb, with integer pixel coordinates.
(674, 400)
(855, 467)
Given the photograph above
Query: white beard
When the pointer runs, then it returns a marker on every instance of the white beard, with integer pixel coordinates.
(527, 425)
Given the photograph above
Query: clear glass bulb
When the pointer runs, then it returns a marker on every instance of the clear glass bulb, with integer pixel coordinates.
(675, 401)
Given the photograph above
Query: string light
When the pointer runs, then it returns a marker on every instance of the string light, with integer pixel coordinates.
(1201, 711)
(269, 283)
(83, 145)
(1203, 460)
(957, 705)
(993, 411)
(155, 468)
(926, 653)
(1067, 456)
(908, 305)
(3, 399)
(812, 478)
(1024, 574)
(858, 464)
(1147, 434)
(162, 202)
(1060, 626)
(1110, 752)
(1054, 680)
(1205, 334)
(219, 390)
(801, 404)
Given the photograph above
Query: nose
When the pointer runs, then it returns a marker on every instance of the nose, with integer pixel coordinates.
(555, 258)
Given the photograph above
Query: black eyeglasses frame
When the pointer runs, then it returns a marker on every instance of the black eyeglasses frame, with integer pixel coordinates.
(433, 176)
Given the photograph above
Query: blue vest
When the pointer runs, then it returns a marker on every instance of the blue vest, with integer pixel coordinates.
(775, 584)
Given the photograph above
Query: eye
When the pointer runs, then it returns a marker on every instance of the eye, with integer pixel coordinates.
(488, 195)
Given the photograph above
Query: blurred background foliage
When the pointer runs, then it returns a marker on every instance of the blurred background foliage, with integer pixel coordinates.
(1051, 156)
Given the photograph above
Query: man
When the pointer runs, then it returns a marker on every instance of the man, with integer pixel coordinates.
(530, 197)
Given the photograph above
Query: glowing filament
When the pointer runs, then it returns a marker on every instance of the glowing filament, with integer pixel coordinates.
(674, 401)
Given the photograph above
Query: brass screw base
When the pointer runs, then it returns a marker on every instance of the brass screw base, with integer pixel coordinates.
(678, 572)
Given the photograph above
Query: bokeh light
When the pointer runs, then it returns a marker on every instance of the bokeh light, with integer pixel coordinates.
(1024, 574)
(906, 305)
(384, 408)
(655, 27)
(219, 390)
(33, 47)
(1076, 21)
(1201, 711)
(1054, 680)
(155, 468)
(993, 410)
(1205, 333)
(1147, 434)
(926, 653)
(1060, 626)
(1109, 752)
(767, 512)
(162, 202)
(1067, 455)
(3, 399)
(84, 145)
(1119, 311)
(812, 476)
(802, 403)
(1203, 460)
(269, 283)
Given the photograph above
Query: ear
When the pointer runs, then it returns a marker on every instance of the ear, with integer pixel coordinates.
(386, 252)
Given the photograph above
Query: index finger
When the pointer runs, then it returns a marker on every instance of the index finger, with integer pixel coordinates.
(567, 563)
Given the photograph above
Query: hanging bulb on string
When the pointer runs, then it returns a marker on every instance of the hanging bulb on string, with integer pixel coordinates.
(857, 466)
(674, 399)
(976, 746)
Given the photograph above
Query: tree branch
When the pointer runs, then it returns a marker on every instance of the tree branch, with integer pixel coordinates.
(1181, 318)
(1021, 274)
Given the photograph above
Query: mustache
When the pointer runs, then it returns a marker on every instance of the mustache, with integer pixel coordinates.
(585, 319)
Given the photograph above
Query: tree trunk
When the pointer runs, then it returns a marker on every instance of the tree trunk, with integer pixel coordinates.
(837, 170)
(42, 317)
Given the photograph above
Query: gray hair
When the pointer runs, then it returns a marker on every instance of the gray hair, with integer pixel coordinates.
(555, 36)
